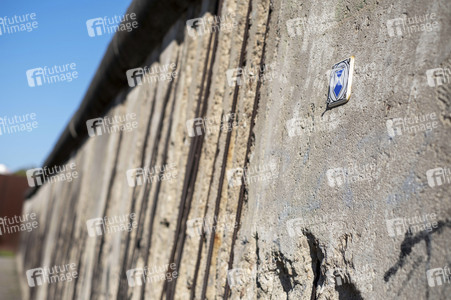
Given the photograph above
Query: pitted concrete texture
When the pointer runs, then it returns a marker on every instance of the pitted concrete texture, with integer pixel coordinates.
(273, 197)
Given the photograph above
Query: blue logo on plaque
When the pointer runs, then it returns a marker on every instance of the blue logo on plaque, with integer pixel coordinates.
(340, 82)
(338, 85)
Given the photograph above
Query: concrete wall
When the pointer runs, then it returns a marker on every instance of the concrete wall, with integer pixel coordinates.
(294, 229)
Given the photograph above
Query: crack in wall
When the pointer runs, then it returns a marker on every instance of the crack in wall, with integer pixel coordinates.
(285, 271)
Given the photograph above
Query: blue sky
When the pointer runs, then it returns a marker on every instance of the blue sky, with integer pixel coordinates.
(60, 38)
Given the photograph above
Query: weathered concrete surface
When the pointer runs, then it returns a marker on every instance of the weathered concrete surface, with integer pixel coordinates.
(355, 232)
(341, 231)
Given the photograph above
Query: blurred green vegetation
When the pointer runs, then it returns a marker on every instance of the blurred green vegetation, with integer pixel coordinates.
(6, 253)
(21, 172)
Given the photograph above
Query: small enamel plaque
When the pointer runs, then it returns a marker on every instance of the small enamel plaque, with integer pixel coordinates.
(340, 82)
